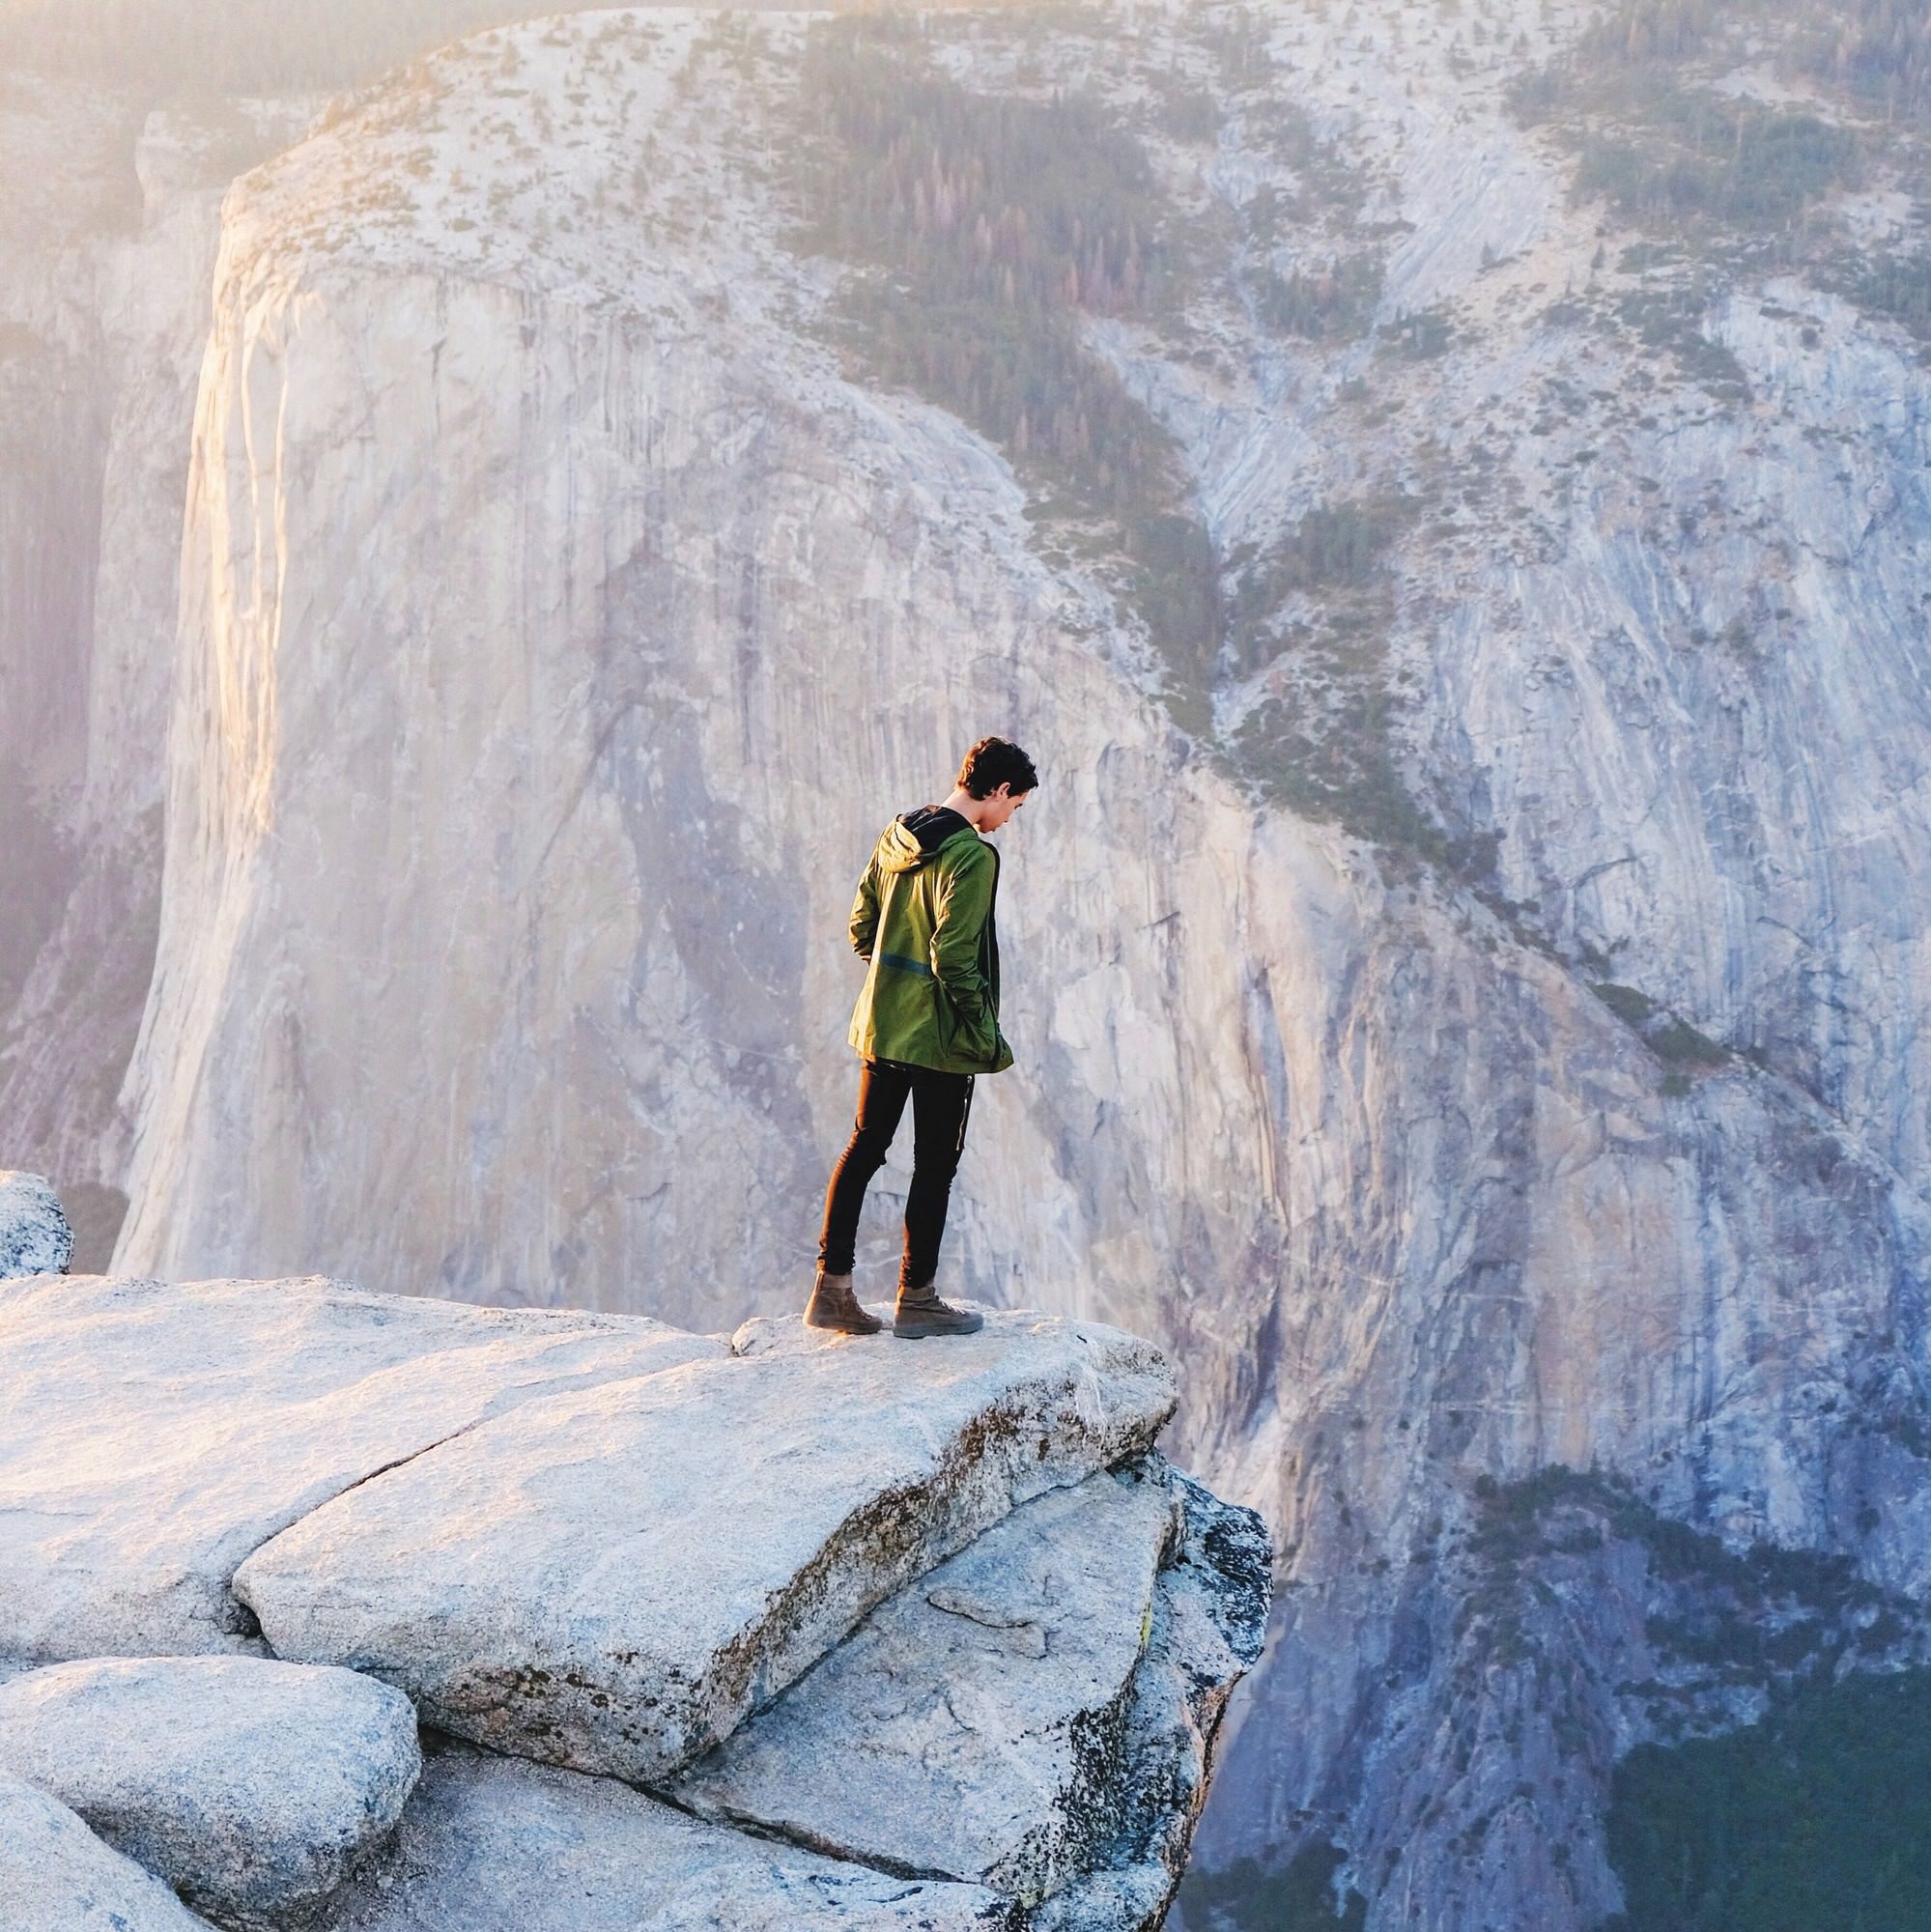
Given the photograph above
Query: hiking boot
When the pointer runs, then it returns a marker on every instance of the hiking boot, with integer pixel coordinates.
(834, 1305)
(921, 1312)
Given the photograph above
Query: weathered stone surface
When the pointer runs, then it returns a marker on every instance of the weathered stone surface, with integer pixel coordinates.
(971, 1726)
(56, 1876)
(251, 1786)
(154, 1435)
(1210, 1622)
(612, 1579)
(493, 1845)
(34, 1236)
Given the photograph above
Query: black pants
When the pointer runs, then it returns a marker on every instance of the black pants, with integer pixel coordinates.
(940, 1105)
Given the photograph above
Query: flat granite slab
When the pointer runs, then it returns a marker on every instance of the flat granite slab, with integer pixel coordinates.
(492, 1845)
(56, 1876)
(251, 1787)
(614, 1580)
(153, 1433)
(971, 1726)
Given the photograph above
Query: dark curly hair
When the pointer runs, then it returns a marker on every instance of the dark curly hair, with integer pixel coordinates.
(993, 762)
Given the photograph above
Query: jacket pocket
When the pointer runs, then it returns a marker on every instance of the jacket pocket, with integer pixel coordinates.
(960, 1038)
(964, 1039)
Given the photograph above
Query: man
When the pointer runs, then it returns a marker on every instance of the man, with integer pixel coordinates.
(925, 1023)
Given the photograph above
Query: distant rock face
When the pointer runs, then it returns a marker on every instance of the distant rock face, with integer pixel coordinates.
(107, 252)
(251, 1787)
(56, 1876)
(34, 1236)
(612, 1579)
(593, 1541)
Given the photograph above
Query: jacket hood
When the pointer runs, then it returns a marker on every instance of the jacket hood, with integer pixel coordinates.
(914, 837)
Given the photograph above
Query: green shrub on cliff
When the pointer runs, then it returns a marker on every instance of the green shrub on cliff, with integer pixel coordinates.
(990, 225)
(1334, 301)
(1249, 1897)
(988, 231)
(1896, 285)
(1702, 158)
(1818, 1817)
(1879, 50)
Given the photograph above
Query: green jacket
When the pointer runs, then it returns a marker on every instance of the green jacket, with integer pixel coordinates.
(922, 921)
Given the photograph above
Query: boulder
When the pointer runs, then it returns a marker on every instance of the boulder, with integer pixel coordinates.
(493, 1845)
(972, 1726)
(154, 1433)
(251, 1787)
(56, 1876)
(34, 1236)
(612, 1579)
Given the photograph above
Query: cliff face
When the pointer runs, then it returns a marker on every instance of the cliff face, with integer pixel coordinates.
(561, 614)
(108, 246)
(712, 1608)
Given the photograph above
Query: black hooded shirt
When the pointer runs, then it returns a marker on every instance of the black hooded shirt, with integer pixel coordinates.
(934, 824)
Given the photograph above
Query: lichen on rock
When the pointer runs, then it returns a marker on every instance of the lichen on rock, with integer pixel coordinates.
(35, 1238)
